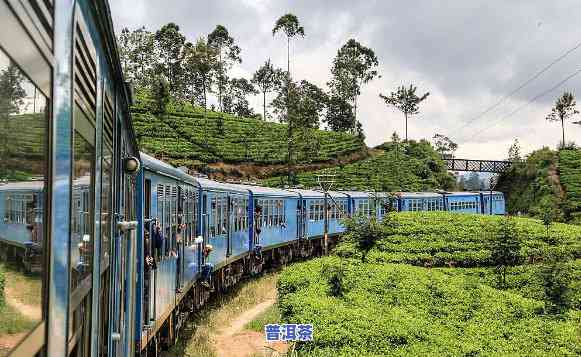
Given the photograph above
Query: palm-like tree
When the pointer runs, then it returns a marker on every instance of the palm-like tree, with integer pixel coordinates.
(405, 100)
(289, 24)
(563, 110)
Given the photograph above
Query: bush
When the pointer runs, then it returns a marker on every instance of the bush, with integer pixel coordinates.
(402, 310)
(2, 282)
(458, 240)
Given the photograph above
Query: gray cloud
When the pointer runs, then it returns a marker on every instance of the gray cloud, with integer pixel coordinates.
(468, 54)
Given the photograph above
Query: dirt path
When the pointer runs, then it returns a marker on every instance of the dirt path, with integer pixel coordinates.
(29, 311)
(235, 341)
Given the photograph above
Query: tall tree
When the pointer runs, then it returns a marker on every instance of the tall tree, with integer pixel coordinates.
(444, 145)
(563, 110)
(228, 54)
(200, 65)
(235, 97)
(353, 66)
(514, 151)
(289, 24)
(12, 92)
(405, 100)
(12, 96)
(169, 43)
(267, 78)
(136, 50)
(339, 115)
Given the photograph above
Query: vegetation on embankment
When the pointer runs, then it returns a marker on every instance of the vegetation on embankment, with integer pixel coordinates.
(188, 136)
(548, 182)
(202, 333)
(362, 303)
(412, 166)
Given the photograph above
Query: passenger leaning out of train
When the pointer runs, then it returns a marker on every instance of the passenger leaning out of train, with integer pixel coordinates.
(257, 231)
(158, 240)
(207, 267)
(149, 261)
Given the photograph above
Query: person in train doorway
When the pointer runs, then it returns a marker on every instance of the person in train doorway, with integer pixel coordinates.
(157, 240)
(176, 253)
(207, 268)
(257, 231)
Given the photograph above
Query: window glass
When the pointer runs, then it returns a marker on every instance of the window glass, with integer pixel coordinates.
(23, 162)
(82, 199)
(106, 202)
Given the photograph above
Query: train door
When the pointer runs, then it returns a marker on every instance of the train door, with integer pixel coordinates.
(229, 224)
(124, 257)
(304, 219)
(204, 225)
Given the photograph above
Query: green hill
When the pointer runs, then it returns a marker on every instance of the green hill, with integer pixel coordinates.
(396, 302)
(186, 136)
(414, 166)
(547, 181)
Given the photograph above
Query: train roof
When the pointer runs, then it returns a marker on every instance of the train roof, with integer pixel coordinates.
(488, 192)
(461, 193)
(268, 191)
(152, 164)
(308, 193)
(418, 194)
(34, 185)
(220, 186)
(356, 194)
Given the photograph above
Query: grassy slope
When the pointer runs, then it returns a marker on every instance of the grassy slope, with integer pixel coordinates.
(547, 178)
(186, 136)
(412, 167)
(401, 310)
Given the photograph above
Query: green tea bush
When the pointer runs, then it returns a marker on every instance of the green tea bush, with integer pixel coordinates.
(186, 132)
(457, 240)
(402, 310)
(415, 166)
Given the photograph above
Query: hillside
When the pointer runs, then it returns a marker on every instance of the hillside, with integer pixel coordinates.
(548, 181)
(221, 144)
(428, 287)
(414, 166)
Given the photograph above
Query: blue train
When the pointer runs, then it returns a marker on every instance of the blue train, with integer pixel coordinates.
(116, 243)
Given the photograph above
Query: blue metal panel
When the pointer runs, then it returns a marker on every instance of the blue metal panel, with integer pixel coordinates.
(61, 158)
(140, 194)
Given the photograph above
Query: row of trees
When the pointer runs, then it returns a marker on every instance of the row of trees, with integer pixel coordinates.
(165, 61)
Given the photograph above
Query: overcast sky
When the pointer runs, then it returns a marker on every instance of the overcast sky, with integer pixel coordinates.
(468, 54)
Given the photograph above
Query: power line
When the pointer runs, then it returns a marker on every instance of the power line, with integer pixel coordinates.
(542, 94)
(524, 84)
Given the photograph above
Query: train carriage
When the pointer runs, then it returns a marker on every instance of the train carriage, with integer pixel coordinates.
(69, 105)
(497, 199)
(462, 202)
(219, 208)
(21, 223)
(421, 201)
(275, 214)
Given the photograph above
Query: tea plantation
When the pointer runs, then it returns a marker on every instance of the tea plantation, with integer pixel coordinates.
(187, 136)
(547, 180)
(397, 303)
(414, 166)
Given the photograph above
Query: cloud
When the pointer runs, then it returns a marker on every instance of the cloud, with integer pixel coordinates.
(467, 54)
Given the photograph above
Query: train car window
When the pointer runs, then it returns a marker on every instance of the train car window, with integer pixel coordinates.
(147, 197)
(23, 171)
(159, 203)
(174, 219)
(106, 201)
(82, 194)
(212, 220)
(167, 221)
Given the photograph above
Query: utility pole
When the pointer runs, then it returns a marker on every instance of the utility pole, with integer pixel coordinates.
(326, 182)
(491, 186)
